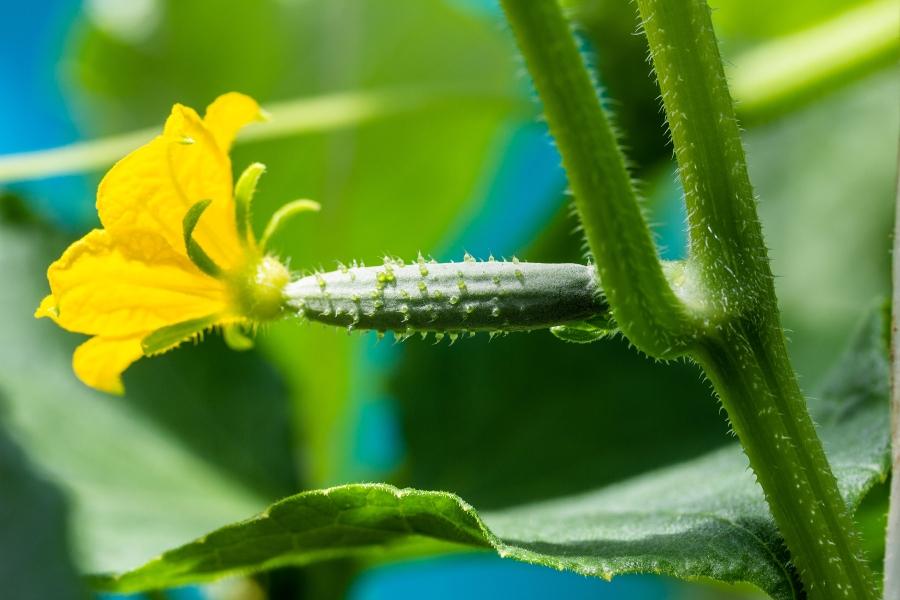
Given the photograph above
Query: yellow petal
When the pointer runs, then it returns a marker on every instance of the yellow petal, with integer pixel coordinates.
(228, 114)
(100, 361)
(152, 189)
(47, 309)
(134, 283)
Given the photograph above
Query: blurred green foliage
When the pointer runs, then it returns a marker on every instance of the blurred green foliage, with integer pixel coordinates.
(207, 436)
(35, 561)
(391, 186)
(825, 179)
(145, 470)
(526, 417)
(743, 24)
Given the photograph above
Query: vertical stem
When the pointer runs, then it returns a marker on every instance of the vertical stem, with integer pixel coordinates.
(733, 328)
(744, 350)
(640, 297)
(768, 413)
(726, 243)
(892, 544)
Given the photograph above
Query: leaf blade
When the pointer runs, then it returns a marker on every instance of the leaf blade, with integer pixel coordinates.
(346, 510)
(705, 518)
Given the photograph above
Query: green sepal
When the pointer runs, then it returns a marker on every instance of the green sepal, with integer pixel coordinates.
(243, 198)
(282, 214)
(197, 255)
(167, 338)
(236, 338)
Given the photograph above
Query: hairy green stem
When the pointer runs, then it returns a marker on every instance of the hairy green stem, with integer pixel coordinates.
(449, 298)
(892, 541)
(767, 412)
(644, 306)
(723, 309)
(726, 243)
(744, 350)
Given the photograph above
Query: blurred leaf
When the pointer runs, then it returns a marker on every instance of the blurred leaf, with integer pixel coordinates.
(228, 408)
(826, 178)
(777, 76)
(510, 395)
(311, 526)
(388, 186)
(871, 517)
(14, 210)
(189, 51)
(619, 59)
(34, 550)
(598, 413)
(704, 518)
(739, 24)
(214, 448)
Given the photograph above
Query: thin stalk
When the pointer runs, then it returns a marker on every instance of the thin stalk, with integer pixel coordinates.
(644, 306)
(744, 351)
(291, 117)
(892, 544)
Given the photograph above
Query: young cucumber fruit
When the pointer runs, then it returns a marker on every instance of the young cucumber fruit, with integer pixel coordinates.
(491, 296)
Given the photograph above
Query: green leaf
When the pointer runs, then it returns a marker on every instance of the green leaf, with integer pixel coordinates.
(703, 518)
(148, 470)
(317, 525)
(830, 260)
(34, 550)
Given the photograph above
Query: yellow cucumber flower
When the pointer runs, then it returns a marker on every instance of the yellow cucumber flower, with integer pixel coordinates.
(176, 255)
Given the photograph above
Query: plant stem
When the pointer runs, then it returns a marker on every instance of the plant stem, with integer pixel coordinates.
(744, 350)
(892, 543)
(768, 413)
(291, 117)
(726, 243)
(644, 306)
(728, 320)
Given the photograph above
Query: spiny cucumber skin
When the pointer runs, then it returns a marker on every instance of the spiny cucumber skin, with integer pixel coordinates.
(492, 296)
